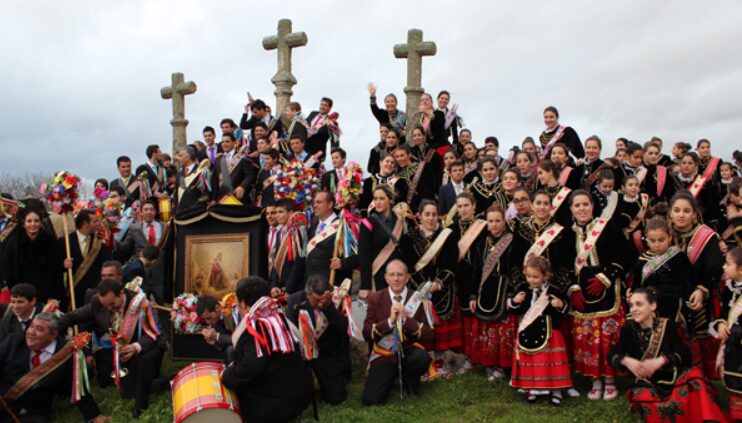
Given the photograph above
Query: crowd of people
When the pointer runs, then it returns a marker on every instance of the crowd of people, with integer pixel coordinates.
(536, 267)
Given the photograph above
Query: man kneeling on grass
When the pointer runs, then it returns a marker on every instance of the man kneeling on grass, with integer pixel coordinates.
(395, 313)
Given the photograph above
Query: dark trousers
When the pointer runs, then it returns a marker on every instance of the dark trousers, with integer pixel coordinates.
(381, 375)
(331, 380)
(143, 369)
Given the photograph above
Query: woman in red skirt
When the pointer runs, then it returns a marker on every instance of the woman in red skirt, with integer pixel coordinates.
(601, 257)
(666, 388)
(541, 362)
(493, 327)
(430, 252)
(469, 234)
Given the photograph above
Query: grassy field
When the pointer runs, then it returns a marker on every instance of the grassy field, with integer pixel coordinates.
(468, 398)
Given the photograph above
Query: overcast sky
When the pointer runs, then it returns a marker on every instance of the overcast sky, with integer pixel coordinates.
(81, 80)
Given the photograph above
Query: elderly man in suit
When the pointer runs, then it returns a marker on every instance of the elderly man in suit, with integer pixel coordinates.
(22, 352)
(389, 309)
(148, 232)
(88, 253)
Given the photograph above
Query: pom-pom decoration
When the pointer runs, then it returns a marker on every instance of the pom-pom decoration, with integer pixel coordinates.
(184, 317)
(350, 186)
(296, 182)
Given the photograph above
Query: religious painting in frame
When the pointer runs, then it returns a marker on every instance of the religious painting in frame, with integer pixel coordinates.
(215, 263)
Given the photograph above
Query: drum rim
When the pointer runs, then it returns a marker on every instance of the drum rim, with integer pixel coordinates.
(194, 366)
(179, 418)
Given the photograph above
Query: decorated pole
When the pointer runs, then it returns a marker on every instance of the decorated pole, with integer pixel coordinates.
(347, 193)
(61, 194)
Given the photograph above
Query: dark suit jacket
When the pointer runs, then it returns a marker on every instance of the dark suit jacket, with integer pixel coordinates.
(133, 269)
(243, 175)
(271, 388)
(9, 323)
(329, 180)
(334, 343)
(267, 192)
(15, 362)
(376, 325)
(446, 198)
(318, 260)
(92, 276)
(99, 319)
(135, 240)
(370, 244)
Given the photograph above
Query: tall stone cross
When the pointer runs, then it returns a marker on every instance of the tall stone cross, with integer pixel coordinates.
(284, 80)
(177, 92)
(414, 51)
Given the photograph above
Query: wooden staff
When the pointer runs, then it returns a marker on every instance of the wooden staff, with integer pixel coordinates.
(9, 410)
(70, 278)
(336, 251)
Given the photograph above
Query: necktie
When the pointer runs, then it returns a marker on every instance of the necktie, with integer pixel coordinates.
(84, 246)
(151, 235)
(321, 227)
(36, 360)
(212, 157)
(397, 298)
(271, 239)
(26, 324)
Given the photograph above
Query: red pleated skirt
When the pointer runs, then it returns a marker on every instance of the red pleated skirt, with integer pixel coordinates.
(449, 333)
(692, 400)
(468, 326)
(547, 369)
(735, 406)
(592, 338)
(493, 343)
(703, 353)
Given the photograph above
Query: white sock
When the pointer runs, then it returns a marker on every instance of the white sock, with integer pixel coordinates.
(557, 393)
(610, 382)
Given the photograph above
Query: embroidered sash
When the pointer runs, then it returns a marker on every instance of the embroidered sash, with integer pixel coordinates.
(131, 317)
(587, 246)
(610, 208)
(661, 179)
(388, 249)
(493, 257)
(637, 220)
(564, 175)
(433, 249)
(451, 214)
(418, 174)
(88, 260)
(696, 245)
(535, 311)
(711, 168)
(541, 243)
(8, 230)
(655, 341)
(636, 237)
(557, 136)
(594, 176)
(656, 262)
(698, 184)
(641, 174)
(44, 369)
(327, 232)
(468, 238)
(559, 199)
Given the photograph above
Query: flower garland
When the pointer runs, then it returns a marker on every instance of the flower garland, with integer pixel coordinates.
(184, 316)
(61, 192)
(295, 182)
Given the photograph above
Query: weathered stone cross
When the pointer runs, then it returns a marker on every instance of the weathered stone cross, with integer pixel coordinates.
(284, 42)
(177, 92)
(414, 51)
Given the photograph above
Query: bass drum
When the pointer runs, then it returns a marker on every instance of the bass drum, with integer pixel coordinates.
(200, 397)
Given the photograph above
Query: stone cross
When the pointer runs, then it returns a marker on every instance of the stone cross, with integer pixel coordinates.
(414, 51)
(284, 42)
(177, 92)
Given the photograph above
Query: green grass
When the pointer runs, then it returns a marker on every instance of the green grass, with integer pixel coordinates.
(469, 398)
